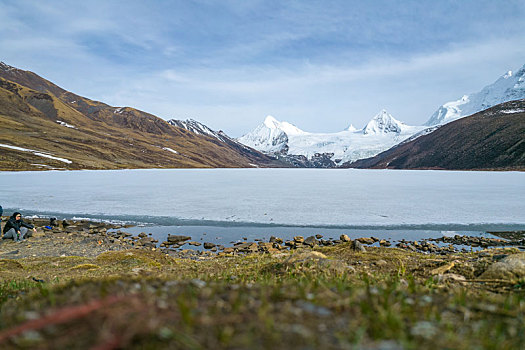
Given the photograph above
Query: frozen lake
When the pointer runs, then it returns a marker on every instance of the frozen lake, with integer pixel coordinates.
(258, 197)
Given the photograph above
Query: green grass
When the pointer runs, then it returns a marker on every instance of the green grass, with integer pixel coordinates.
(260, 301)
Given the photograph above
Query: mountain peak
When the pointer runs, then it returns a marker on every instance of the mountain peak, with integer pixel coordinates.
(351, 128)
(288, 128)
(271, 122)
(508, 87)
(382, 123)
(5, 67)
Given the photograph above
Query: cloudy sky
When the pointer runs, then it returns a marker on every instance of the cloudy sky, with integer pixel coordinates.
(321, 65)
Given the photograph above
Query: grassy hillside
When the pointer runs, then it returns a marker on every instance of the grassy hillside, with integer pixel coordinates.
(491, 139)
(40, 116)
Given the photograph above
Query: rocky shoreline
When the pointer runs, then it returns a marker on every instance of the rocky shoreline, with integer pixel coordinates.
(58, 287)
(91, 238)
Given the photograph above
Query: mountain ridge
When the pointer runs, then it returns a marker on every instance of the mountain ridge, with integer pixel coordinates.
(41, 123)
(289, 143)
(493, 139)
(508, 87)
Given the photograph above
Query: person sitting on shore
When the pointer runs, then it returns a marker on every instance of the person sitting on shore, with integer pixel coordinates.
(17, 229)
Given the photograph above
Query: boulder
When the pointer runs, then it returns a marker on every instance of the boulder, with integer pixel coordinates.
(208, 245)
(326, 242)
(357, 246)
(265, 247)
(248, 247)
(311, 241)
(345, 238)
(176, 238)
(298, 239)
(274, 239)
(147, 242)
(366, 240)
(510, 268)
(290, 244)
(384, 243)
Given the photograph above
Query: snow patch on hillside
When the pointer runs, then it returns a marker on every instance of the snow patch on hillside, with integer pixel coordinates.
(36, 153)
(170, 150)
(66, 124)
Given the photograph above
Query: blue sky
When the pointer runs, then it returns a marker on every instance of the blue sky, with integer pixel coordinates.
(321, 65)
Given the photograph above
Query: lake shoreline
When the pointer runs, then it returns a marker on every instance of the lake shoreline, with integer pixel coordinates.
(91, 238)
(347, 294)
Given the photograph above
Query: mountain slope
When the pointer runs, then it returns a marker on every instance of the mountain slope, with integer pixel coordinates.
(509, 87)
(491, 139)
(221, 138)
(298, 147)
(42, 123)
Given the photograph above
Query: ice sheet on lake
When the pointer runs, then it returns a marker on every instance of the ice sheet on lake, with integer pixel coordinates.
(276, 196)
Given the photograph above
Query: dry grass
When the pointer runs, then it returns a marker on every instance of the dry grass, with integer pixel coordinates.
(344, 299)
(102, 138)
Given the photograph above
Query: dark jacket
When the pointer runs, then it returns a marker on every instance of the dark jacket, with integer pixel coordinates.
(16, 224)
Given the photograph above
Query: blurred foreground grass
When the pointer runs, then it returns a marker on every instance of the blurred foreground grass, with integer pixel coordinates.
(323, 298)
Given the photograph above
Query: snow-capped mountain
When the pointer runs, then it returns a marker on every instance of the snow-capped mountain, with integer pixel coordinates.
(271, 136)
(490, 139)
(383, 123)
(509, 87)
(285, 139)
(201, 129)
(197, 128)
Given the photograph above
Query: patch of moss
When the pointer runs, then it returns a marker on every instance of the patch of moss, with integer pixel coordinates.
(7, 264)
(132, 258)
(85, 267)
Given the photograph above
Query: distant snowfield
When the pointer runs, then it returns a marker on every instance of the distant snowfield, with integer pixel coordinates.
(380, 134)
(310, 197)
(383, 131)
(347, 145)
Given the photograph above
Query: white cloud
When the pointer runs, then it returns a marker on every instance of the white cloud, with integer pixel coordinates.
(146, 58)
(326, 98)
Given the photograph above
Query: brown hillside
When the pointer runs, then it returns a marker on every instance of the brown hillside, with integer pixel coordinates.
(103, 137)
(491, 139)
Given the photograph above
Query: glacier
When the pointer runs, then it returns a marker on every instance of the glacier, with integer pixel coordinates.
(510, 86)
(282, 138)
(288, 142)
